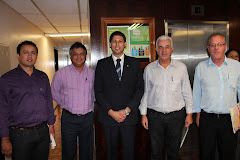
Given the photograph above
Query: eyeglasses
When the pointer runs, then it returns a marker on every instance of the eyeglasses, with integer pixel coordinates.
(214, 45)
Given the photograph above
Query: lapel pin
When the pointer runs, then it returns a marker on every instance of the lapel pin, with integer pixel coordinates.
(127, 65)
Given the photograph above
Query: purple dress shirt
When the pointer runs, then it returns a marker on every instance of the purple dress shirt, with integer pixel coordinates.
(28, 100)
(74, 90)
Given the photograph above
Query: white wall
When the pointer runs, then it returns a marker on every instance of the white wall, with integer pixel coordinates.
(14, 29)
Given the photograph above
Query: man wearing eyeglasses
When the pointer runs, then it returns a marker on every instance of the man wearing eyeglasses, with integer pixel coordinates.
(167, 92)
(216, 83)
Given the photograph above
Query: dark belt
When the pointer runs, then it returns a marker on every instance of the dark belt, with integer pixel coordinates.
(218, 115)
(28, 128)
(71, 113)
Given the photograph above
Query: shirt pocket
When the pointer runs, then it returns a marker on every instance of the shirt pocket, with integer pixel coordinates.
(232, 81)
(175, 86)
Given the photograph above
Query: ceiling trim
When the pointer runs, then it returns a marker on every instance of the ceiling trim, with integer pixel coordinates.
(79, 15)
(66, 34)
(46, 17)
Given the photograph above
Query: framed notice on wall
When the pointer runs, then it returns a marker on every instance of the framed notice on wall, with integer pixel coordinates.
(140, 36)
(137, 40)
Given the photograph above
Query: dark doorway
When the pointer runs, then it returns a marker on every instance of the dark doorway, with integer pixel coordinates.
(56, 58)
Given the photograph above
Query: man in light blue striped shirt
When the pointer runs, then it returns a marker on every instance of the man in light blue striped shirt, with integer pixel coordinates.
(216, 83)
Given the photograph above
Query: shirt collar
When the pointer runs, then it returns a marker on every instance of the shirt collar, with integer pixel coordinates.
(115, 58)
(210, 62)
(172, 63)
(19, 68)
(84, 67)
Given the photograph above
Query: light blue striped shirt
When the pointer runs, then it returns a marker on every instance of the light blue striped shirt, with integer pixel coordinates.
(215, 88)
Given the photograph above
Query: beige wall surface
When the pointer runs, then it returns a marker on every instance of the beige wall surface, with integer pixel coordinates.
(14, 29)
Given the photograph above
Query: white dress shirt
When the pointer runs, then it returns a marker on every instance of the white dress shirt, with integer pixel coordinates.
(215, 88)
(121, 62)
(166, 90)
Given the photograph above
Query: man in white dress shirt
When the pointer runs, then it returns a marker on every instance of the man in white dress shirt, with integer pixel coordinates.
(167, 92)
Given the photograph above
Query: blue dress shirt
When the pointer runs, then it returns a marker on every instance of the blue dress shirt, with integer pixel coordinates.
(215, 88)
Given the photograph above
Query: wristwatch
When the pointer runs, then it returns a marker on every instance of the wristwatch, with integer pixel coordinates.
(126, 112)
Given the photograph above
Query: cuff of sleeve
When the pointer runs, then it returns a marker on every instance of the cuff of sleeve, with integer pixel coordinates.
(196, 110)
(143, 112)
(189, 110)
(106, 107)
(130, 105)
(4, 133)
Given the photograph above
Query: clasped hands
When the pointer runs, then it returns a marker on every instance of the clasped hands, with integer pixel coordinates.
(120, 115)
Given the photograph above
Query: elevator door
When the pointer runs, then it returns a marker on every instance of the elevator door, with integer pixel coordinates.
(190, 40)
(190, 44)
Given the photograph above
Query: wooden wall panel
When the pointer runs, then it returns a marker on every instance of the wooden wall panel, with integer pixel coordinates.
(234, 20)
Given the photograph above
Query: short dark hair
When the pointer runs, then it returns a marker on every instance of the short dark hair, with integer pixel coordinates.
(230, 50)
(26, 43)
(77, 45)
(117, 33)
(215, 34)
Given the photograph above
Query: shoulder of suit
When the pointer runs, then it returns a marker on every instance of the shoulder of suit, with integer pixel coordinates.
(105, 59)
(131, 59)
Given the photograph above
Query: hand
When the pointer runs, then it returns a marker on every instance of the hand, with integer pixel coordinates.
(145, 121)
(197, 119)
(51, 130)
(188, 120)
(118, 116)
(6, 146)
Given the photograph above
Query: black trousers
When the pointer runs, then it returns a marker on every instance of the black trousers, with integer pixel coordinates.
(30, 144)
(73, 127)
(215, 130)
(127, 135)
(165, 128)
(2, 157)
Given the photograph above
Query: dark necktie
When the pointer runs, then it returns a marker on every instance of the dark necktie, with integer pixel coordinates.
(118, 69)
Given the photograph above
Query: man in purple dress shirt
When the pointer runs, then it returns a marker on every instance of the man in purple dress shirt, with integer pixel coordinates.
(26, 108)
(72, 88)
(2, 99)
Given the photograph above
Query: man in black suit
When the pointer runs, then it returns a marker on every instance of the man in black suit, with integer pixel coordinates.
(119, 89)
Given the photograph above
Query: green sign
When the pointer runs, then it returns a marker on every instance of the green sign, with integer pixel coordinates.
(137, 40)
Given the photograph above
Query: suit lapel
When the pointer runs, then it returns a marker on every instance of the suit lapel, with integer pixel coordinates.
(126, 66)
(112, 68)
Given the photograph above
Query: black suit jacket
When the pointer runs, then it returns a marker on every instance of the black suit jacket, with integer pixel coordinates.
(116, 95)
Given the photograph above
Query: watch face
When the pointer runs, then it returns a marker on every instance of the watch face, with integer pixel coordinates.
(126, 112)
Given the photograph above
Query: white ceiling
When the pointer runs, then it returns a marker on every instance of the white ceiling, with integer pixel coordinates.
(56, 16)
